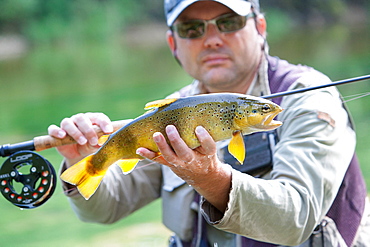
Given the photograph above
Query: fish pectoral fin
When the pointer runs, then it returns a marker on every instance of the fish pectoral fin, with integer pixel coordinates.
(236, 146)
(159, 103)
(77, 175)
(103, 139)
(127, 165)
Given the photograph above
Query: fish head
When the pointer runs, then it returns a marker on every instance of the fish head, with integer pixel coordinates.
(256, 114)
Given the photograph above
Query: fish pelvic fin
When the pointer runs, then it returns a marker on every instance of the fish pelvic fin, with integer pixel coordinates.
(236, 147)
(127, 165)
(159, 103)
(86, 183)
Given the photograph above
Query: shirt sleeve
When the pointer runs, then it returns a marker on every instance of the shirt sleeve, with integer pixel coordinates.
(118, 195)
(315, 148)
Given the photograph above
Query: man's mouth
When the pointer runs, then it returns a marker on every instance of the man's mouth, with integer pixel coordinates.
(215, 59)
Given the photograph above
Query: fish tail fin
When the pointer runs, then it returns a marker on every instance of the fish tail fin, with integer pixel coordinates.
(127, 165)
(85, 182)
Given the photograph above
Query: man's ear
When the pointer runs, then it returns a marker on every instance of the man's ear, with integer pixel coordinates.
(261, 25)
(171, 42)
(172, 45)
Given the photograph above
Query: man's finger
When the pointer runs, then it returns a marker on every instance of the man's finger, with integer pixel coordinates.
(207, 144)
(183, 152)
(55, 131)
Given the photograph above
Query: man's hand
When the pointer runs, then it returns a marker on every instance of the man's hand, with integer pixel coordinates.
(80, 128)
(199, 167)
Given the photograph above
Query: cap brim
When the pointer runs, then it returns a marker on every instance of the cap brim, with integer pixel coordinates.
(240, 7)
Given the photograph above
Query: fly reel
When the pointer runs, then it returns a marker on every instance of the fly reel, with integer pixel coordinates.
(27, 180)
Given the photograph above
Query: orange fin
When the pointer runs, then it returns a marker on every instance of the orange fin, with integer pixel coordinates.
(159, 103)
(236, 146)
(78, 175)
(127, 165)
(103, 139)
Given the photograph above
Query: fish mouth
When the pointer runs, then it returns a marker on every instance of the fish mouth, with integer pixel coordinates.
(269, 122)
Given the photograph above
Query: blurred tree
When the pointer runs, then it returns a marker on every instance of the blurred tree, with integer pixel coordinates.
(315, 11)
(52, 20)
(15, 13)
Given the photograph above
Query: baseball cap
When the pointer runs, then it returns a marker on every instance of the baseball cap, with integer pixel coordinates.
(173, 8)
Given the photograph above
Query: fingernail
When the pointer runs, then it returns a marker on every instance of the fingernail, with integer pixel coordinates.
(61, 134)
(156, 136)
(108, 128)
(138, 152)
(200, 130)
(170, 129)
(94, 141)
(82, 140)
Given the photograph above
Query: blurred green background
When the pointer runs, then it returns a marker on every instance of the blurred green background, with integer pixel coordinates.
(59, 58)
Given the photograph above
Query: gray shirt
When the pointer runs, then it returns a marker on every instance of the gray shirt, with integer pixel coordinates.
(310, 160)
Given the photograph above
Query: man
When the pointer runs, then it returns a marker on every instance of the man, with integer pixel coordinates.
(311, 194)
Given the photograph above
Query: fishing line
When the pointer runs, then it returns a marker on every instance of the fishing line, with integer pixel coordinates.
(148, 164)
(355, 96)
(344, 99)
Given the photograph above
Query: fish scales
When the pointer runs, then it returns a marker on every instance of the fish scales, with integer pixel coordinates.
(216, 117)
(224, 116)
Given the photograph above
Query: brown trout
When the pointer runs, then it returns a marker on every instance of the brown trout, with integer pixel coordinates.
(224, 115)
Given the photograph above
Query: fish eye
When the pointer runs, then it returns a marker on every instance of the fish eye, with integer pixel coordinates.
(254, 111)
(266, 108)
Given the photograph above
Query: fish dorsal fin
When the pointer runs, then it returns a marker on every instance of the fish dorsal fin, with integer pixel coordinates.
(127, 165)
(103, 139)
(159, 103)
(236, 146)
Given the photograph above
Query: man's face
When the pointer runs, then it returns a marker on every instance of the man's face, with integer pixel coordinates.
(223, 62)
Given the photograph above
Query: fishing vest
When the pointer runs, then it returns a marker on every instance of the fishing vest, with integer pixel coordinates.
(349, 204)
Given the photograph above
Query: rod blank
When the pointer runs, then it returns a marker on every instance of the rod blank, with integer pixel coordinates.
(302, 90)
(44, 142)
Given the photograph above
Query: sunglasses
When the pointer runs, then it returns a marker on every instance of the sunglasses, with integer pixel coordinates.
(227, 23)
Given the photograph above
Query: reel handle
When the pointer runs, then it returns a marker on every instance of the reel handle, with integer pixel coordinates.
(46, 141)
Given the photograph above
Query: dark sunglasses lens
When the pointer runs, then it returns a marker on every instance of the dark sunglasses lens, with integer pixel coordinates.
(231, 23)
(190, 29)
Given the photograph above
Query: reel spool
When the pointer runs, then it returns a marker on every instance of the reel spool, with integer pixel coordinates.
(27, 180)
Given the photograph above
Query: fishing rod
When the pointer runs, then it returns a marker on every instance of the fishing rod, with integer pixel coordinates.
(39, 183)
(303, 90)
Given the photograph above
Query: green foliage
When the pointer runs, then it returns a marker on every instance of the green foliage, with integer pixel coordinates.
(55, 21)
(50, 21)
(14, 13)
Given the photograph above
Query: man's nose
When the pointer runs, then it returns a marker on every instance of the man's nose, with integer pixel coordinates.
(213, 37)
